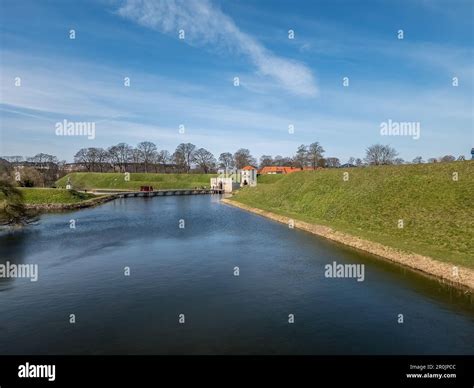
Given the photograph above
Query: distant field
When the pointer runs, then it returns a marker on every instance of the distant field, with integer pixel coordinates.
(36, 196)
(437, 212)
(96, 180)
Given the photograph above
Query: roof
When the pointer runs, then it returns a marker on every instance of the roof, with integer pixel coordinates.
(278, 169)
(283, 169)
(248, 168)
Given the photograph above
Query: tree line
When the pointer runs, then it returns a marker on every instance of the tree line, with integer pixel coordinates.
(146, 157)
(44, 169)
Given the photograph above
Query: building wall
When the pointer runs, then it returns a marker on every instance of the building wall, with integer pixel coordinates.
(250, 176)
(227, 184)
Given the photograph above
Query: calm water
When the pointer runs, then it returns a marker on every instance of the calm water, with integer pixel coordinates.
(190, 271)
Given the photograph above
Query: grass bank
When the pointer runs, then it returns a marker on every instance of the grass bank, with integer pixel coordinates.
(47, 199)
(116, 181)
(437, 211)
(39, 196)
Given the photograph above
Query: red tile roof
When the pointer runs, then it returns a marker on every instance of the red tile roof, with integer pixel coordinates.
(248, 168)
(282, 169)
(278, 170)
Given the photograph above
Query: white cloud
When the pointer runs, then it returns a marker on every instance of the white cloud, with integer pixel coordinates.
(206, 26)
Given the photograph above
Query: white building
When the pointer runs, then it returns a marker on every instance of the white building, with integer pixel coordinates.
(232, 180)
(224, 183)
(248, 176)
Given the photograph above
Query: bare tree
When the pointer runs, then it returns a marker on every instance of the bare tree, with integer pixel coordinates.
(13, 159)
(315, 153)
(83, 156)
(135, 158)
(120, 155)
(447, 159)
(301, 158)
(226, 161)
(266, 160)
(42, 160)
(147, 151)
(113, 157)
(243, 158)
(161, 158)
(205, 160)
(183, 156)
(418, 160)
(31, 177)
(179, 161)
(378, 154)
(48, 165)
(332, 162)
(92, 158)
(102, 158)
(283, 161)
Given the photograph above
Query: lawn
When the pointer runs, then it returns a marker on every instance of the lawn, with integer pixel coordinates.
(37, 196)
(117, 181)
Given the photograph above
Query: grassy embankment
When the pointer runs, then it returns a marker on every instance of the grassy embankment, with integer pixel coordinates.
(116, 181)
(47, 199)
(37, 196)
(437, 212)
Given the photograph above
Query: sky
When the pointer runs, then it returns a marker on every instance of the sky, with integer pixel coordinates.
(290, 91)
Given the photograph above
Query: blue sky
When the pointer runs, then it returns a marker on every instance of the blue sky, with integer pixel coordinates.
(283, 81)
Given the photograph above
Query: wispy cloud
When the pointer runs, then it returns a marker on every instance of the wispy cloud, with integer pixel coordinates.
(207, 26)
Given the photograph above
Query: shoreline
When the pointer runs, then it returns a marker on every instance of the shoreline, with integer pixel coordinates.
(426, 265)
(52, 207)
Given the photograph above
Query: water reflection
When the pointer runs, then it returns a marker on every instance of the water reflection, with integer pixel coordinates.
(13, 249)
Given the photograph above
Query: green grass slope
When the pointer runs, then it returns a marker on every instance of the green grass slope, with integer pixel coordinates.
(269, 178)
(437, 212)
(36, 196)
(97, 180)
